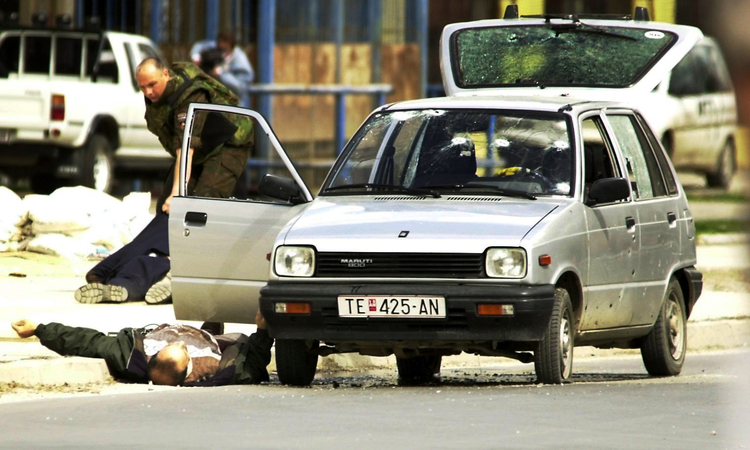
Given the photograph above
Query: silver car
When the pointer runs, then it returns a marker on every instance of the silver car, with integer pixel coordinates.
(489, 224)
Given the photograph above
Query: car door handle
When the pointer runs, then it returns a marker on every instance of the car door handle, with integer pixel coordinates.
(197, 219)
(671, 218)
(630, 223)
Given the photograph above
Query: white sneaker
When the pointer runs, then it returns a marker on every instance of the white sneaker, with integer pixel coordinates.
(97, 293)
(161, 292)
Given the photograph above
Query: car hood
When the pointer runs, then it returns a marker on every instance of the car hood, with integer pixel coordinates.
(378, 224)
(561, 54)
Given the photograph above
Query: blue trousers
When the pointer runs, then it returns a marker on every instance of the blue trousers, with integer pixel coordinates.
(133, 267)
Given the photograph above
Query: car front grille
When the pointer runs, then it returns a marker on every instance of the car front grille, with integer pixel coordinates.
(400, 265)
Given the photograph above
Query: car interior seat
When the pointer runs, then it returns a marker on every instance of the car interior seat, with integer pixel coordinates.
(447, 161)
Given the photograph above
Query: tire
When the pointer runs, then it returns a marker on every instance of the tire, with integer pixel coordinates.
(418, 369)
(44, 183)
(725, 168)
(663, 349)
(296, 361)
(96, 166)
(553, 358)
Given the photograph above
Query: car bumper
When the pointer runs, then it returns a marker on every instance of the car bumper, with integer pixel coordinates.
(532, 307)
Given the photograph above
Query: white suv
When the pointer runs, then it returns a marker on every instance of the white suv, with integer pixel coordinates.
(72, 108)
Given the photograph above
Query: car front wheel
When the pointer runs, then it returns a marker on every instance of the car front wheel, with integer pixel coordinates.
(553, 358)
(663, 349)
(296, 361)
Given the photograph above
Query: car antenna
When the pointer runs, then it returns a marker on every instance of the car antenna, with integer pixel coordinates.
(511, 12)
(641, 13)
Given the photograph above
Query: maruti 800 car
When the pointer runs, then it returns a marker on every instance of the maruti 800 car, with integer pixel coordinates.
(492, 224)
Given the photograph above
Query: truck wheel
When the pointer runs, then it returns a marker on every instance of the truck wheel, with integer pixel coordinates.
(96, 167)
(553, 358)
(663, 349)
(725, 168)
(296, 361)
(44, 183)
(418, 369)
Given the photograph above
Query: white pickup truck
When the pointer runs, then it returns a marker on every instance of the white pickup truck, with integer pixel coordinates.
(70, 108)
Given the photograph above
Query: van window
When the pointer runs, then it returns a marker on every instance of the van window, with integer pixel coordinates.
(9, 54)
(68, 56)
(108, 71)
(685, 78)
(37, 52)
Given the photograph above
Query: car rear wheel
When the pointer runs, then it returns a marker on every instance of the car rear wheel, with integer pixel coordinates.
(663, 349)
(725, 168)
(553, 358)
(296, 361)
(96, 167)
(418, 369)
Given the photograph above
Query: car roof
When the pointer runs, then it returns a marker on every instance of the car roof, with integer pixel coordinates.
(548, 104)
(503, 49)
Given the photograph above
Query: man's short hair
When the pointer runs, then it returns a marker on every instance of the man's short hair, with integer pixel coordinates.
(156, 62)
(166, 368)
(227, 37)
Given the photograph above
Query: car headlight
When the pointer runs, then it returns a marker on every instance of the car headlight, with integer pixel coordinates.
(294, 261)
(506, 263)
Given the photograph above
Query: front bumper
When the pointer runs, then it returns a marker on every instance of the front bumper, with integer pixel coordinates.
(532, 311)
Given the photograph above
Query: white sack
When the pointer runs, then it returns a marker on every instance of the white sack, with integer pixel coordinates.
(12, 209)
(60, 245)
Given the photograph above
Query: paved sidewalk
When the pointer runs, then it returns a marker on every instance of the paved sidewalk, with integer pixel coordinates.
(45, 294)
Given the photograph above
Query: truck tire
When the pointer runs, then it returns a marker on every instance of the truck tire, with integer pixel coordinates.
(296, 361)
(96, 166)
(725, 168)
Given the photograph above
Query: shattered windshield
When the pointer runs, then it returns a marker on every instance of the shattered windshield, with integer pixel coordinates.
(556, 54)
(457, 151)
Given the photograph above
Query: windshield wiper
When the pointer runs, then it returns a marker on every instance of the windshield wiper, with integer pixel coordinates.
(488, 187)
(387, 187)
(578, 26)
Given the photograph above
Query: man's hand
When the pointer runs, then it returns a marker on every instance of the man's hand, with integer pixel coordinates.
(23, 328)
(167, 203)
(260, 321)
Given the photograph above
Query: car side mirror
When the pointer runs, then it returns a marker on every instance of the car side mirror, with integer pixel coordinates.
(608, 190)
(280, 188)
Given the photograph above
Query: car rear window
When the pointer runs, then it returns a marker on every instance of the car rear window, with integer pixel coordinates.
(556, 54)
(36, 58)
(9, 54)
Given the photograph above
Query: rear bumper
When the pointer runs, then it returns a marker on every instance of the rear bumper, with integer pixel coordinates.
(695, 287)
(532, 311)
(27, 159)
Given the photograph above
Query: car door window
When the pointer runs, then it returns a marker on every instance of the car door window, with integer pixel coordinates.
(640, 162)
(599, 162)
(10, 48)
(222, 143)
(661, 157)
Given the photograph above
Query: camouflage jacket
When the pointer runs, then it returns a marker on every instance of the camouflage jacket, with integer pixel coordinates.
(166, 117)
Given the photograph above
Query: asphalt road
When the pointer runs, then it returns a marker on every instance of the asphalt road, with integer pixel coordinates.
(612, 405)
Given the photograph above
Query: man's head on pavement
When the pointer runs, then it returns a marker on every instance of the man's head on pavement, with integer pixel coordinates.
(152, 76)
(169, 367)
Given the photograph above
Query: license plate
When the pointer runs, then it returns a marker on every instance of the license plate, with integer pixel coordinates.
(407, 306)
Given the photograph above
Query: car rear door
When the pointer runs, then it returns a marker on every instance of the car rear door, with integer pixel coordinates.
(220, 248)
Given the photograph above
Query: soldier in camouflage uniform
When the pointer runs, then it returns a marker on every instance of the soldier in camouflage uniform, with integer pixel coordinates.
(219, 147)
(219, 151)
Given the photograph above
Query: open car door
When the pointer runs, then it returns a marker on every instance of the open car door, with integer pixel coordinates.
(220, 248)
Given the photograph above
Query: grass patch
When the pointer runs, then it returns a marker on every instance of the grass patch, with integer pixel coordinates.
(721, 226)
(723, 197)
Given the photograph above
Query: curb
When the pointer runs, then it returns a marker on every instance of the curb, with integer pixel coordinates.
(57, 370)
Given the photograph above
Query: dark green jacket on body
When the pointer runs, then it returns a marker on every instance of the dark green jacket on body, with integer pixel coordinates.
(243, 362)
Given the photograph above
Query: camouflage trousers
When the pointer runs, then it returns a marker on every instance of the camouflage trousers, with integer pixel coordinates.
(215, 178)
